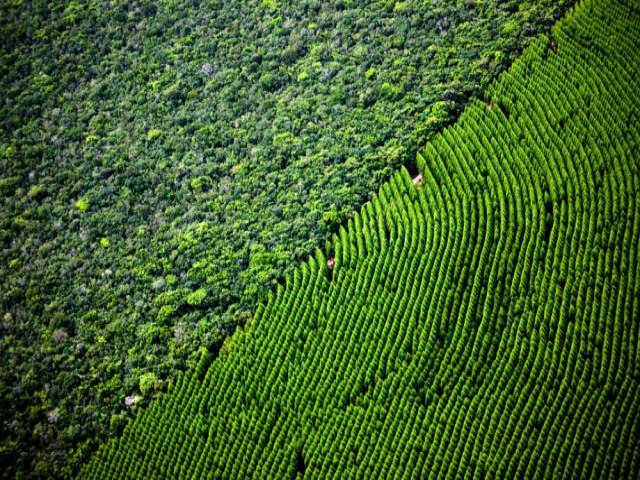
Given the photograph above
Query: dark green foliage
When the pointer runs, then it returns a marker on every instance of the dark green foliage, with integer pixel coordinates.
(163, 164)
(482, 324)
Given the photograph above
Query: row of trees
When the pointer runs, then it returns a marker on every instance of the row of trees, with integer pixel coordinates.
(480, 321)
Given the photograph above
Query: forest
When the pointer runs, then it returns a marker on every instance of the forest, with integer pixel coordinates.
(165, 165)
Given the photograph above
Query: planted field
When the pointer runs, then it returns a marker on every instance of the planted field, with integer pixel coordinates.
(479, 319)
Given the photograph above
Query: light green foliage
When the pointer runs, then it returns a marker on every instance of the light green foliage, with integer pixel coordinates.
(153, 134)
(197, 297)
(478, 321)
(8, 151)
(400, 7)
(284, 140)
(165, 313)
(439, 115)
(201, 183)
(147, 383)
(37, 192)
(390, 91)
(82, 205)
(510, 27)
(182, 129)
(269, 82)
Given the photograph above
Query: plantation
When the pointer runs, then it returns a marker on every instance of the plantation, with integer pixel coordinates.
(164, 164)
(481, 319)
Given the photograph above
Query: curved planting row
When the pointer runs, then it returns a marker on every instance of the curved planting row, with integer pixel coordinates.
(482, 318)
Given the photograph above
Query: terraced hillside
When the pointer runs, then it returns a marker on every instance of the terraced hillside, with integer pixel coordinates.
(481, 318)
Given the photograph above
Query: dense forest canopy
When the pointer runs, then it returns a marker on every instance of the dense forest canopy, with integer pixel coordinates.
(164, 164)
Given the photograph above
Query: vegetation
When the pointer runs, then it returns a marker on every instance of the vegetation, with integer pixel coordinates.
(163, 164)
(481, 320)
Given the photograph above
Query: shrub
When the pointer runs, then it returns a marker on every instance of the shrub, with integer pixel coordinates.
(147, 382)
